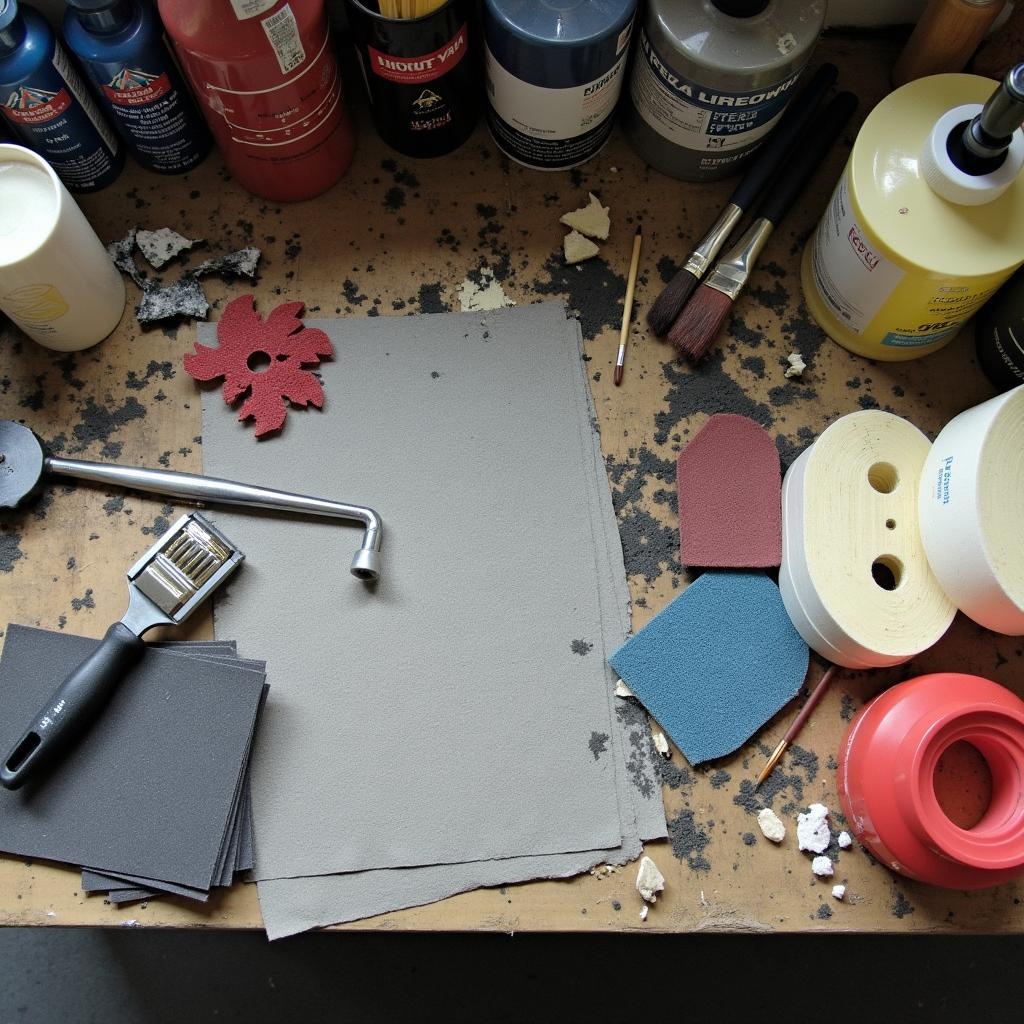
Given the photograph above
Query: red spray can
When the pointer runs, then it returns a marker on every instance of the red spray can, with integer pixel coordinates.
(267, 81)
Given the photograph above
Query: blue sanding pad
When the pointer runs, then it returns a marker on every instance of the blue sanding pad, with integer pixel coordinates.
(717, 663)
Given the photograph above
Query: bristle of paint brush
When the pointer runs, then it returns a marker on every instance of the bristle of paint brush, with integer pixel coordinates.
(670, 302)
(698, 324)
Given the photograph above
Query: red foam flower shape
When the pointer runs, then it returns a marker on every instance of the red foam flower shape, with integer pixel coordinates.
(263, 360)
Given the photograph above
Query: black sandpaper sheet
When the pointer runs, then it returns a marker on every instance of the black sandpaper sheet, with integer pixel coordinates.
(151, 788)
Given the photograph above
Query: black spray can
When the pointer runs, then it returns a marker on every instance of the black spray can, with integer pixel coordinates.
(420, 76)
(999, 335)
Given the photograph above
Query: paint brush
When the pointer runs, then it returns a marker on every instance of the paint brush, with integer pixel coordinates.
(627, 309)
(798, 723)
(702, 317)
(766, 165)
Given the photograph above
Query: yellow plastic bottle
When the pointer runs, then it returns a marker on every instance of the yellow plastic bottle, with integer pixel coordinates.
(927, 219)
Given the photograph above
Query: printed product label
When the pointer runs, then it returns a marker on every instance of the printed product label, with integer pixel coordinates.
(55, 115)
(133, 87)
(283, 33)
(551, 127)
(690, 115)
(245, 9)
(35, 305)
(419, 70)
(853, 279)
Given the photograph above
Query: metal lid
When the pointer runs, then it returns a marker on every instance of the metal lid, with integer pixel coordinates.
(561, 22)
(8, 12)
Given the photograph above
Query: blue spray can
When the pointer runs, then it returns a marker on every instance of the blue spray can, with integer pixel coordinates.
(46, 105)
(122, 47)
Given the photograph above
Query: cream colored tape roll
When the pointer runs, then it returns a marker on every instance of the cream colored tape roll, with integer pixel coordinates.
(972, 512)
(854, 577)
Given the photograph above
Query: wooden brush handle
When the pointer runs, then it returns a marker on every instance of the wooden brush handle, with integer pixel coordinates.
(944, 39)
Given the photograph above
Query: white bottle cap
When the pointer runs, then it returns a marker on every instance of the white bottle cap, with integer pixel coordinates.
(946, 179)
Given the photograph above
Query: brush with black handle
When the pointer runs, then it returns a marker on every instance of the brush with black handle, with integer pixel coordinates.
(767, 162)
(701, 319)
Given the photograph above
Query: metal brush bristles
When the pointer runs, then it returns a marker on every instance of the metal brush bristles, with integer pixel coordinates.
(196, 554)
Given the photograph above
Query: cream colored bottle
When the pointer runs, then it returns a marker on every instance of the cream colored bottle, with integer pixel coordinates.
(911, 243)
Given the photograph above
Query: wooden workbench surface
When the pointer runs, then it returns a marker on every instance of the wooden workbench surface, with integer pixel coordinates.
(397, 236)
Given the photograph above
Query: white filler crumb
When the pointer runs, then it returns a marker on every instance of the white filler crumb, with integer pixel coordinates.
(771, 825)
(485, 293)
(796, 365)
(812, 829)
(161, 246)
(661, 744)
(622, 690)
(822, 867)
(649, 880)
(845, 840)
(577, 248)
(838, 892)
(591, 220)
(644, 911)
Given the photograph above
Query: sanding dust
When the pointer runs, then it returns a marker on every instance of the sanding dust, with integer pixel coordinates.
(577, 248)
(486, 293)
(161, 246)
(822, 867)
(622, 690)
(796, 365)
(839, 892)
(771, 825)
(591, 220)
(649, 880)
(661, 744)
(812, 831)
(845, 840)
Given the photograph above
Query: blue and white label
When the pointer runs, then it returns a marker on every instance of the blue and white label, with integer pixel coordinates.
(698, 117)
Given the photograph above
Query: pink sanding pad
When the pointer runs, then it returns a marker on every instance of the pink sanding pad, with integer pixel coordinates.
(730, 497)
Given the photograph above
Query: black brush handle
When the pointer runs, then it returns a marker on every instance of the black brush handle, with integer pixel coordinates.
(805, 160)
(768, 159)
(74, 705)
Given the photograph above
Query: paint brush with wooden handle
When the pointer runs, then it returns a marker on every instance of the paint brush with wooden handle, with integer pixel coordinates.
(701, 319)
(766, 164)
(627, 308)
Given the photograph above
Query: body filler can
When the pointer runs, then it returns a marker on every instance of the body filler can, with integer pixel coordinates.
(554, 74)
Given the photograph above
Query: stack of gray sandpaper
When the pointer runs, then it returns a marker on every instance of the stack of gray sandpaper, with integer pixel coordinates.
(454, 725)
(155, 796)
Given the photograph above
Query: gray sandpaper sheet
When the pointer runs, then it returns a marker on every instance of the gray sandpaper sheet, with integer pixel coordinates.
(475, 654)
(160, 766)
(291, 905)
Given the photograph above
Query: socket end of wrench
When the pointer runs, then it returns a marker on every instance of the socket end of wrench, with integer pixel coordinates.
(366, 564)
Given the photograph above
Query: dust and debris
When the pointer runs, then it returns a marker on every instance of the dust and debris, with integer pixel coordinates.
(660, 743)
(839, 892)
(598, 743)
(804, 759)
(689, 840)
(480, 290)
(616, 905)
(847, 707)
(640, 754)
(10, 549)
(777, 784)
(593, 290)
(667, 269)
(239, 263)
(674, 776)
(649, 880)
(394, 199)
(845, 840)
(812, 832)
(824, 912)
(162, 245)
(755, 364)
(183, 298)
(749, 839)
(430, 299)
(165, 370)
(822, 867)
(96, 422)
(122, 253)
(771, 825)
(718, 778)
(85, 601)
(901, 906)
(113, 505)
(622, 690)
(161, 522)
(796, 365)
(581, 647)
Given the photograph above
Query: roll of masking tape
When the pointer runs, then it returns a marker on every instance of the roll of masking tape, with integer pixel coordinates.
(972, 512)
(854, 577)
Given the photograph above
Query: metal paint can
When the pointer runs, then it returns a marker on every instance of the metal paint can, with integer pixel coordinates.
(712, 77)
(555, 70)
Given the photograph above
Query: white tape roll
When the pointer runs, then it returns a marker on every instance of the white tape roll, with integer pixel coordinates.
(972, 512)
(854, 578)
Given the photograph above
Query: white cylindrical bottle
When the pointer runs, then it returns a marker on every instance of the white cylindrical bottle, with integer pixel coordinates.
(57, 281)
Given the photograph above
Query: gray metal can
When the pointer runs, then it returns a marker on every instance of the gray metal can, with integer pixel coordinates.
(711, 78)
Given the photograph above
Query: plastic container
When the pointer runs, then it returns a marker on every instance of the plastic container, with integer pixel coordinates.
(999, 335)
(47, 105)
(711, 78)
(267, 81)
(887, 780)
(555, 70)
(122, 47)
(421, 76)
(912, 244)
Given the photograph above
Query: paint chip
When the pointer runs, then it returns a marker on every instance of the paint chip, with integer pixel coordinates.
(845, 840)
(649, 880)
(771, 825)
(591, 220)
(812, 832)
(159, 247)
(485, 293)
(622, 690)
(838, 892)
(239, 263)
(796, 365)
(661, 744)
(822, 867)
(644, 911)
(577, 248)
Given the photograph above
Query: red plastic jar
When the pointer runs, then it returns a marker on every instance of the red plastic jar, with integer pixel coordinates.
(887, 767)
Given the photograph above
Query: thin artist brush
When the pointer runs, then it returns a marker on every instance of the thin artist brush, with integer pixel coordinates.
(767, 163)
(627, 309)
(702, 317)
(798, 723)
